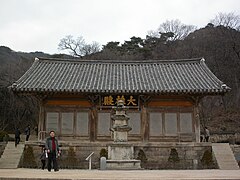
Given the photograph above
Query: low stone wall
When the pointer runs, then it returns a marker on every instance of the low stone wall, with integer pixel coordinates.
(190, 156)
(236, 151)
(227, 137)
(153, 155)
(72, 156)
(2, 147)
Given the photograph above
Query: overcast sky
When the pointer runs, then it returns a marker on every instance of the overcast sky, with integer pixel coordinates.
(38, 25)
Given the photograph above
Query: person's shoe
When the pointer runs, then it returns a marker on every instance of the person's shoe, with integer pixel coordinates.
(56, 170)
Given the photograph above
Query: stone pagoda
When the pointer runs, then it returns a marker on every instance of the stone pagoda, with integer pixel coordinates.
(120, 152)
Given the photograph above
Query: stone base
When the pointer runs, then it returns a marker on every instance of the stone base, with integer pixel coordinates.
(120, 151)
(123, 164)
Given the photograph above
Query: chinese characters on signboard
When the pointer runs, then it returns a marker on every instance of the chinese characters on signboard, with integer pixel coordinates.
(111, 100)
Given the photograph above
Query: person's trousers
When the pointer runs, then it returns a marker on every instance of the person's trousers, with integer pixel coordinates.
(43, 164)
(52, 159)
(207, 138)
(17, 140)
(27, 137)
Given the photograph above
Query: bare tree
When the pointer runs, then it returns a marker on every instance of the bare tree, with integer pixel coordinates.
(179, 30)
(91, 48)
(78, 47)
(229, 20)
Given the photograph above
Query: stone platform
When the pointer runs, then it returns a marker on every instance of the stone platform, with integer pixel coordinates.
(37, 174)
(131, 164)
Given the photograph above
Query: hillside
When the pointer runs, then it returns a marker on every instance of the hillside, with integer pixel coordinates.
(17, 110)
(220, 46)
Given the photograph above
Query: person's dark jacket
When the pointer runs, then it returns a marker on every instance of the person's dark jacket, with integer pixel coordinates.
(17, 133)
(48, 144)
(27, 131)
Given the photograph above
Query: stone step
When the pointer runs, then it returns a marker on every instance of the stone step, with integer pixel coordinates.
(18, 147)
(224, 156)
(11, 156)
(7, 153)
(9, 165)
(13, 151)
(230, 167)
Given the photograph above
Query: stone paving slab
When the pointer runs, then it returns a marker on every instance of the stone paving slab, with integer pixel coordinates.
(63, 174)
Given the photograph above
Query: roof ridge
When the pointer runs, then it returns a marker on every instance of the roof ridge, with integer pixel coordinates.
(119, 61)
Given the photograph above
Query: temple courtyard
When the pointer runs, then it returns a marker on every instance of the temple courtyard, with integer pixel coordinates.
(22, 173)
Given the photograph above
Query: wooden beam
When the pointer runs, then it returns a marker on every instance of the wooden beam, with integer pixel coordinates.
(69, 102)
(169, 103)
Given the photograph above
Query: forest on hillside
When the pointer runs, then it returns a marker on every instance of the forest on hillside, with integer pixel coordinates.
(218, 42)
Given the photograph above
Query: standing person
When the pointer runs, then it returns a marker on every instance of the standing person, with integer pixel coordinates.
(53, 151)
(27, 132)
(43, 157)
(36, 130)
(207, 134)
(201, 137)
(17, 136)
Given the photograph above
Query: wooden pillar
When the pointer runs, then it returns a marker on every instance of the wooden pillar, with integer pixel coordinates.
(93, 124)
(145, 124)
(197, 120)
(144, 117)
(41, 124)
(94, 100)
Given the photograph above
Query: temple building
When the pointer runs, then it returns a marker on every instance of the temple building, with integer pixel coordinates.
(76, 97)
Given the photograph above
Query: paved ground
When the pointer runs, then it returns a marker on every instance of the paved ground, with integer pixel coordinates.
(37, 174)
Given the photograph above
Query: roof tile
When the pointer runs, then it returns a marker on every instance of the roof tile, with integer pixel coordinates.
(168, 76)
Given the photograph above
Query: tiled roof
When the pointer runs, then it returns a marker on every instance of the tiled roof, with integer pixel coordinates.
(189, 76)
